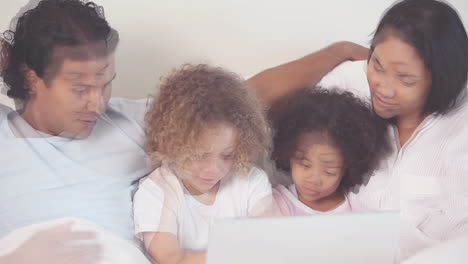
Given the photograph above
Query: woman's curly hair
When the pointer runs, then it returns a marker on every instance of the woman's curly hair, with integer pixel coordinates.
(196, 97)
(353, 127)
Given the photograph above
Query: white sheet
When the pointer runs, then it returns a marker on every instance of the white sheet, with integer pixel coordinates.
(104, 248)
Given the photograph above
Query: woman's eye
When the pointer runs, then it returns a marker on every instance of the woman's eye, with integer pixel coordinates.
(406, 82)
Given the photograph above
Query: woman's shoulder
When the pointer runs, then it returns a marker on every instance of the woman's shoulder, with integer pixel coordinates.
(454, 122)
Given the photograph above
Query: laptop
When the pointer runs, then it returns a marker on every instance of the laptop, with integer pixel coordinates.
(329, 238)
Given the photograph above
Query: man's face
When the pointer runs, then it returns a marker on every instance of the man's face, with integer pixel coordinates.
(70, 104)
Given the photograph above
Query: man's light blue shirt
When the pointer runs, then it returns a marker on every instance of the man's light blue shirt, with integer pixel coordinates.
(46, 177)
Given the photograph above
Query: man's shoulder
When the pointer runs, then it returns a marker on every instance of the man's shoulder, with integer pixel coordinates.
(132, 109)
(128, 104)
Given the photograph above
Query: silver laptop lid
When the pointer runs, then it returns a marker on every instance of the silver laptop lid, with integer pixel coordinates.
(327, 238)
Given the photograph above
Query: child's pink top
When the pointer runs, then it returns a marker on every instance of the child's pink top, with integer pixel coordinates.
(289, 204)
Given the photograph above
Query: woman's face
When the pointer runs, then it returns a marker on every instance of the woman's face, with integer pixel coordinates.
(399, 80)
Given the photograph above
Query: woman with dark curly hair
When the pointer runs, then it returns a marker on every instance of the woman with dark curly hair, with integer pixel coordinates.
(328, 142)
(208, 130)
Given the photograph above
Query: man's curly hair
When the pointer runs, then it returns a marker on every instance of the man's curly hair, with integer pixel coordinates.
(196, 97)
(40, 36)
(353, 127)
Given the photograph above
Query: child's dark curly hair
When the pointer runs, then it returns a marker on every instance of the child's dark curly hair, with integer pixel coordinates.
(196, 97)
(354, 128)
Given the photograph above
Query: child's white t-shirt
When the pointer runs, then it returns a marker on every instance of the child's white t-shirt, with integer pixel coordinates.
(162, 204)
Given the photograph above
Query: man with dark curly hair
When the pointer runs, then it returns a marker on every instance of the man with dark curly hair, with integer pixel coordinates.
(71, 151)
(327, 142)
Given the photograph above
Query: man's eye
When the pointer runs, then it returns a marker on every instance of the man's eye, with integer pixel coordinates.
(228, 157)
(81, 91)
(378, 68)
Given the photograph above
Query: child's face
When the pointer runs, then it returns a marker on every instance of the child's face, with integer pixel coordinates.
(317, 168)
(215, 161)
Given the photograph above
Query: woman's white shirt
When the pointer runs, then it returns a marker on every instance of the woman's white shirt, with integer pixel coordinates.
(426, 178)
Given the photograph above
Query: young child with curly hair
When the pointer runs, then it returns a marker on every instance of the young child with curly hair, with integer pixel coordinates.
(327, 142)
(207, 129)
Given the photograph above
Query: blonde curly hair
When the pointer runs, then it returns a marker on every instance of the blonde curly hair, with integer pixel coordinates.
(196, 97)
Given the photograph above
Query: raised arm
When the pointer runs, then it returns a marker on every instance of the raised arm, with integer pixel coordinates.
(280, 81)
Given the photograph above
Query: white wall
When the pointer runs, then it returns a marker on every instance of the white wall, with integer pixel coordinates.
(244, 36)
